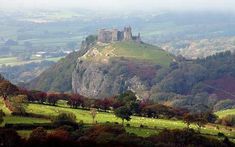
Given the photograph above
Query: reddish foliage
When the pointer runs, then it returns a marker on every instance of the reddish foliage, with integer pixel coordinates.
(52, 98)
(224, 87)
(76, 100)
(144, 71)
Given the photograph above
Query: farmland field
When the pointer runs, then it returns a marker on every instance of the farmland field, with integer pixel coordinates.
(12, 61)
(103, 117)
(151, 125)
(223, 113)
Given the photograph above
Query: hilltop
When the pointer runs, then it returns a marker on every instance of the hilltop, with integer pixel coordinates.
(130, 50)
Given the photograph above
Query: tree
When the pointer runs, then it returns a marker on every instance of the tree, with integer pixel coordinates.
(124, 113)
(38, 136)
(128, 96)
(40, 96)
(93, 112)
(200, 121)
(7, 89)
(76, 100)
(210, 117)
(188, 119)
(10, 138)
(19, 103)
(104, 104)
(135, 107)
(2, 114)
(52, 98)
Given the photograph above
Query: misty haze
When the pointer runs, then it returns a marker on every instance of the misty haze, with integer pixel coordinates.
(117, 73)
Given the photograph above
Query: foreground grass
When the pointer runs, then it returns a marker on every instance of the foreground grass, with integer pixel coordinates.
(103, 117)
(223, 113)
(152, 126)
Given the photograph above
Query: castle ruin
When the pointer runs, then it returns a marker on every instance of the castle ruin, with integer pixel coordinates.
(113, 35)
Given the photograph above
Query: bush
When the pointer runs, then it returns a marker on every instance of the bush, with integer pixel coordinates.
(220, 134)
(65, 119)
(38, 136)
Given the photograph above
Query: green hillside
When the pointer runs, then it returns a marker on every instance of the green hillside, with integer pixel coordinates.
(131, 50)
(153, 126)
(223, 113)
(58, 77)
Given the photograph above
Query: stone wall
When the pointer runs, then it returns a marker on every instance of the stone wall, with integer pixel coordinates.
(113, 35)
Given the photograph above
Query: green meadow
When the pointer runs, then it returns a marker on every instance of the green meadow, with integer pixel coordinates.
(223, 113)
(151, 125)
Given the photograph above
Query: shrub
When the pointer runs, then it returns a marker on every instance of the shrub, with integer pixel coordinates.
(38, 136)
(141, 126)
(220, 134)
(65, 119)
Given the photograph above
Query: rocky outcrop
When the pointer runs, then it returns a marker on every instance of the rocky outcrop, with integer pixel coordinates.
(99, 80)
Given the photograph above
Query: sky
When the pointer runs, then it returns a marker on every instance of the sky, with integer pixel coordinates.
(123, 5)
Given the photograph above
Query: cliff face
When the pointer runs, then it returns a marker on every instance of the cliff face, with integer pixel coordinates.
(99, 80)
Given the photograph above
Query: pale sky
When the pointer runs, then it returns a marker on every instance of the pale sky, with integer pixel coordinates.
(123, 4)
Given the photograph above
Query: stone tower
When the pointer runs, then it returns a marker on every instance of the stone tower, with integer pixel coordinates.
(115, 35)
(127, 34)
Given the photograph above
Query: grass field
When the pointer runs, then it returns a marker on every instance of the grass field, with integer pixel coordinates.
(223, 113)
(102, 117)
(14, 61)
(153, 125)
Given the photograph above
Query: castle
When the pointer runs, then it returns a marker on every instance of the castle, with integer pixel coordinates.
(113, 35)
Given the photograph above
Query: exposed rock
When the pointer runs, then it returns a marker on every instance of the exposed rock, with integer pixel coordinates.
(99, 80)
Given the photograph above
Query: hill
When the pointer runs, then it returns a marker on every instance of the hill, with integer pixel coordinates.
(108, 69)
(102, 70)
(115, 57)
(130, 50)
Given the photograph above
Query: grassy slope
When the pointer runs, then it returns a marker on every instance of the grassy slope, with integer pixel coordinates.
(18, 119)
(104, 117)
(223, 113)
(135, 121)
(132, 50)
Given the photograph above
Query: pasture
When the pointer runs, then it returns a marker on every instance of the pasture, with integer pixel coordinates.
(223, 113)
(104, 117)
(150, 125)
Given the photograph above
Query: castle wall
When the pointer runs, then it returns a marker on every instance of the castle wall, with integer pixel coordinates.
(107, 36)
(127, 34)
